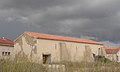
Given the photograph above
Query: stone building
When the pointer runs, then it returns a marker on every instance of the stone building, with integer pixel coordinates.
(112, 53)
(46, 48)
(6, 48)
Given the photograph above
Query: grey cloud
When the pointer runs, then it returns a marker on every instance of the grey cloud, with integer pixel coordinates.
(33, 4)
(100, 20)
(94, 18)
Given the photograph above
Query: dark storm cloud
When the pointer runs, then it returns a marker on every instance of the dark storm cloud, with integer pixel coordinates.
(33, 4)
(94, 18)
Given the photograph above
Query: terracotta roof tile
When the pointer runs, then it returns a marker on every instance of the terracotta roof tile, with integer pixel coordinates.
(6, 41)
(111, 49)
(62, 38)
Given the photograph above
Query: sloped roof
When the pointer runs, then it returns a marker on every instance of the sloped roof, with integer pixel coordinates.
(111, 49)
(6, 42)
(61, 38)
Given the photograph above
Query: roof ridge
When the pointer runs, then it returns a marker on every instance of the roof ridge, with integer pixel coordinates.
(57, 37)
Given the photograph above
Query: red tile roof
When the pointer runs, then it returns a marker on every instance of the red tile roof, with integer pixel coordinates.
(111, 49)
(62, 38)
(6, 41)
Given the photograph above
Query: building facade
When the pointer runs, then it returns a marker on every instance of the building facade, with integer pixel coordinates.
(112, 53)
(46, 48)
(6, 48)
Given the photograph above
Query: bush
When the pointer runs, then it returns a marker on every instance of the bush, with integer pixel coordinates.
(102, 59)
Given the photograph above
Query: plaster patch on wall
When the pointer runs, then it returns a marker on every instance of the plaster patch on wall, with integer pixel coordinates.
(19, 41)
(64, 52)
(31, 41)
(30, 44)
(88, 57)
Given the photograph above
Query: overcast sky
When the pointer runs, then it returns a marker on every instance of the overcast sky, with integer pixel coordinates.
(94, 19)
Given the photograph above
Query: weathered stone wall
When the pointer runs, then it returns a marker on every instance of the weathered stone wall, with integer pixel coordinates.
(88, 56)
(59, 50)
(26, 46)
(6, 49)
(66, 51)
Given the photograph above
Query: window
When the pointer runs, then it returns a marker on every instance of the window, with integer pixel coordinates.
(94, 56)
(2, 53)
(8, 53)
(5, 53)
(99, 51)
(46, 58)
(117, 58)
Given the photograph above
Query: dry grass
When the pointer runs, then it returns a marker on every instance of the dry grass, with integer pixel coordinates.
(20, 64)
(13, 66)
(92, 67)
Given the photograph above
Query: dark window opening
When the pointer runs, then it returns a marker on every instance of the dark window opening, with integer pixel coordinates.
(117, 58)
(93, 55)
(99, 52)
(8, 53)
(46, 58)
(5, 53)
(2, 53)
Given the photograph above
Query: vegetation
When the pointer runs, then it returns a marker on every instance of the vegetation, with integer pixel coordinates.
(22, 64)
(13, 66)
(101, 64)
(102, 59)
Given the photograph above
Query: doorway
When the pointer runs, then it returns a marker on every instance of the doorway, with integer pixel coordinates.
(46, 58)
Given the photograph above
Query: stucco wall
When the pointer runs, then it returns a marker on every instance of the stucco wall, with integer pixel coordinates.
(24, 46)
(6, 49)
(74, 51)
(70, 51)
(112, 57)
(118, 54)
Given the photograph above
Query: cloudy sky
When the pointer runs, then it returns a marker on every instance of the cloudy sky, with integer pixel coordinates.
(93, 19)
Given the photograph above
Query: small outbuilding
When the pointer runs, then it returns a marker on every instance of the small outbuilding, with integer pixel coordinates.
(112, 53)
(6, 48)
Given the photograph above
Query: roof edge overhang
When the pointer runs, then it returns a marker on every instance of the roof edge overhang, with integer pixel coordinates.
(6, 44)
(56, 39)
(70, 41)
